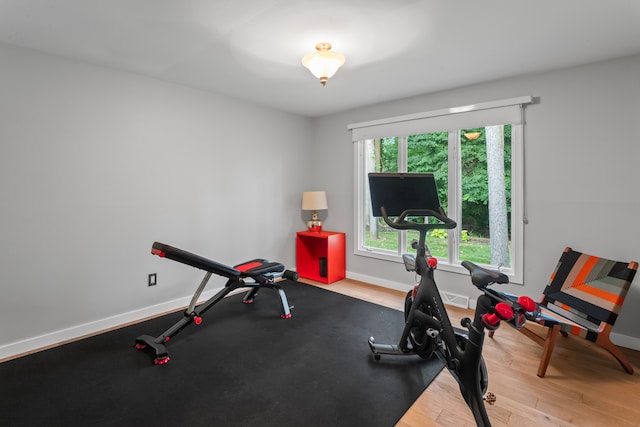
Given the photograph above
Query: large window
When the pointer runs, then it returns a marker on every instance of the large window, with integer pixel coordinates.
(479, 174)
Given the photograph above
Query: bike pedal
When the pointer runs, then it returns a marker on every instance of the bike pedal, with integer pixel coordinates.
(490, 398)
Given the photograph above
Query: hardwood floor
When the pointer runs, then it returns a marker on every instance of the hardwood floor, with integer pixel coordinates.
(584, 385)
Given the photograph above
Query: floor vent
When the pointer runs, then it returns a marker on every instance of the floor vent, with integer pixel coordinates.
(461, 301)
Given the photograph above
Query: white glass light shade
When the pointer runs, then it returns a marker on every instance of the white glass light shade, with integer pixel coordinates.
(314, 201)
(323, 64)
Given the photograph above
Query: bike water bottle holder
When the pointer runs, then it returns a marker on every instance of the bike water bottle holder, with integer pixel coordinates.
(409, 262)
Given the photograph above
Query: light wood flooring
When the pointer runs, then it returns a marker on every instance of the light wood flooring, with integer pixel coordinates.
(584, 385)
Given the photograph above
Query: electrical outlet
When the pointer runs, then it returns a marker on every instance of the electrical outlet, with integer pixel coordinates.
(152, 279)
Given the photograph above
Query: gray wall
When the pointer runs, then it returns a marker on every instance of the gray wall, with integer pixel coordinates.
(95, 165)
(582, 173)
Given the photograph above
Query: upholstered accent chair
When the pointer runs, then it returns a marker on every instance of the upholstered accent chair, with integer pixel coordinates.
(583, 297)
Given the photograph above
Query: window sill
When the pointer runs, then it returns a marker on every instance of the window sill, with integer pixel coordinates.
(442, 265)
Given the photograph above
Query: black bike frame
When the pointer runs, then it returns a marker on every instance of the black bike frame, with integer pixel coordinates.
(462, 363)
(461, 354)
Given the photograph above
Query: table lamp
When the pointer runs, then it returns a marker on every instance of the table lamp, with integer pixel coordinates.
(314, 201)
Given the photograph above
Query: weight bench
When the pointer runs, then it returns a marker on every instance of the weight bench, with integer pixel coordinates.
(262, 273)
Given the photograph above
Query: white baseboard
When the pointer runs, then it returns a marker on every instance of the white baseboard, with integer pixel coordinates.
(45, 341)
(41, 342)
(403, 287)
(625, 341)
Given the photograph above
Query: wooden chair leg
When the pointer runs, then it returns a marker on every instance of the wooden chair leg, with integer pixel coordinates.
(604, 341)
(549, 344)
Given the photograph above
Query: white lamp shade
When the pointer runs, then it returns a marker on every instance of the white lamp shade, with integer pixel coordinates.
(314, 201)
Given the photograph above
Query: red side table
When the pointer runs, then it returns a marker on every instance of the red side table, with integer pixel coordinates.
(320, 255)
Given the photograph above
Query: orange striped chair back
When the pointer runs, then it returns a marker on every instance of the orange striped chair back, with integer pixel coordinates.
(589, 287)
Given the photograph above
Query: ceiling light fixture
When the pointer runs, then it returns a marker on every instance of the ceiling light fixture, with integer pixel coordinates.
(323, 64)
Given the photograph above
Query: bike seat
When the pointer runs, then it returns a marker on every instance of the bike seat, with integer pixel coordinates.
(258, 267)
(482, 277)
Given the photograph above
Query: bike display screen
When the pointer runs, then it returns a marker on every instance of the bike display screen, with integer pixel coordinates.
(398, 192)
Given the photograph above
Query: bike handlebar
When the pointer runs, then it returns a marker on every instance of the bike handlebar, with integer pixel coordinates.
(401, 224)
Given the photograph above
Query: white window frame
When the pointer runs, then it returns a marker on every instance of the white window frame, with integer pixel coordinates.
(408, 125)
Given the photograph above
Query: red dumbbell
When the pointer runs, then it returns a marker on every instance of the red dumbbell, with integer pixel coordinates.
(527, 303)
(502, 311)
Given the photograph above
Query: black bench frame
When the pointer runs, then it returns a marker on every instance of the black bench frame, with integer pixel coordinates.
(262, 273)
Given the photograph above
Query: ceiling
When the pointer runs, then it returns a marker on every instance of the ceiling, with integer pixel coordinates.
(251, 49)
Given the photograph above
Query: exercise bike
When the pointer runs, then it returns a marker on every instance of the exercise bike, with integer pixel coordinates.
(428, 330)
